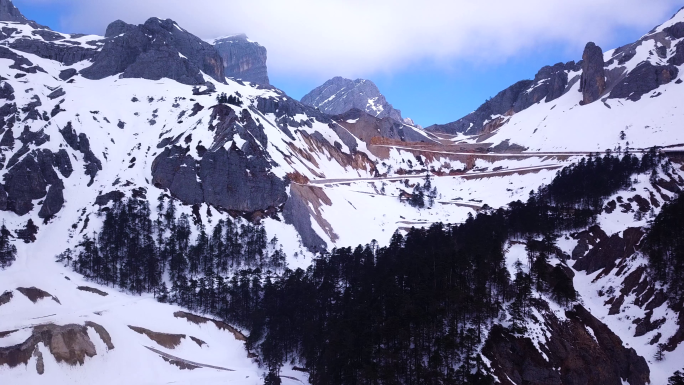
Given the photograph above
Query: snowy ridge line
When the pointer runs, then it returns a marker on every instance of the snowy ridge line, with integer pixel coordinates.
(171, 357)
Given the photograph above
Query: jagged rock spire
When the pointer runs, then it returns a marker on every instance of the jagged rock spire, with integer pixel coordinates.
(593, 82)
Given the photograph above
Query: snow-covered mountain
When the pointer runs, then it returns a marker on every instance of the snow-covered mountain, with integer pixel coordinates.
(625, 89)
(339, 95)
(147, 113)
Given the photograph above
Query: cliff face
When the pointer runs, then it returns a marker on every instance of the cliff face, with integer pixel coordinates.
(339, 95)
(243, 59)
(157, 49)
(579, 350)
(629, 72)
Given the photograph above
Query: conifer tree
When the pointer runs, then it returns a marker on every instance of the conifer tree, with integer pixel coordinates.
(8, 252)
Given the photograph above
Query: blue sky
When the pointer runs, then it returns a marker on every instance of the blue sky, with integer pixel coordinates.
(436, 73)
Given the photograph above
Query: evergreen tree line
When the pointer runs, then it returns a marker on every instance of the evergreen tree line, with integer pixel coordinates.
(232, 99)
(412, 312)
(424, 195)
(664, 248)
(137, 253)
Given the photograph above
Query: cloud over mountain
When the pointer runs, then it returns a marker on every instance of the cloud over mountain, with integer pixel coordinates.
(357, 37)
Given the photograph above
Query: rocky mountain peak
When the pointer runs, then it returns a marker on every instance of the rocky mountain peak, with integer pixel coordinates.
(8, 12)
(243, 59)
(339, 95)
(154, 50)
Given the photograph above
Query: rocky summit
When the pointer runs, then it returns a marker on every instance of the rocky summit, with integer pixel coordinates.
(170, 217)
(339, 95)
(243, 59)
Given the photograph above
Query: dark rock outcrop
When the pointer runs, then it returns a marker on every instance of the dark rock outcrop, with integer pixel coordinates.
(366, 126)
(65, 54)
(593, 81)
(233, 179)
(609, 250)
(112, 196)
(339, 95)
(175, 170)
(243, 59)
(154, 50)
(678, 58)
(81, 143)
(285, 110)
(8, 12)
(54, 200)
(7, 91)
(20, 63)
(643, 79)
(296, 213)
(572, 356)
(67, 74)
(29, 179)
(675, 31)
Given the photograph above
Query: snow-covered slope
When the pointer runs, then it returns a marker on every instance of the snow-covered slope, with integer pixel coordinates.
(640, 97)
(83, 124)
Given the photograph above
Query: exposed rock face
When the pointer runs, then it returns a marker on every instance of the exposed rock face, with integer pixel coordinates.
(572, 356)
(608, 250)
(81, 143)
(69, 344)
(154, 50)
(198, 320)
(593, 82)
(41, 43)
(243, 59)
(297, 213)
(365, 127)
(645, 78)
(29, 179)
(169, 341)
(339, 95)
(8, 12)
(549, 84)
(235, 178)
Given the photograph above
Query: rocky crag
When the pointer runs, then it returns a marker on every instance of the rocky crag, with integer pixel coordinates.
(243, 59)
(616, 74)
(339, 95)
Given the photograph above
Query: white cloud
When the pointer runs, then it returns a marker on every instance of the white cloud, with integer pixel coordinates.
(361, 37)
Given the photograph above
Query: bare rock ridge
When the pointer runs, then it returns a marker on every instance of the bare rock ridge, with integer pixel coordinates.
(549, 84)
(154, 50)
(599, 76)
(68, 343)
(573, 356)
(236, 179)
(593, 81)
(243, 59)
(8, 12)
(339, 95)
